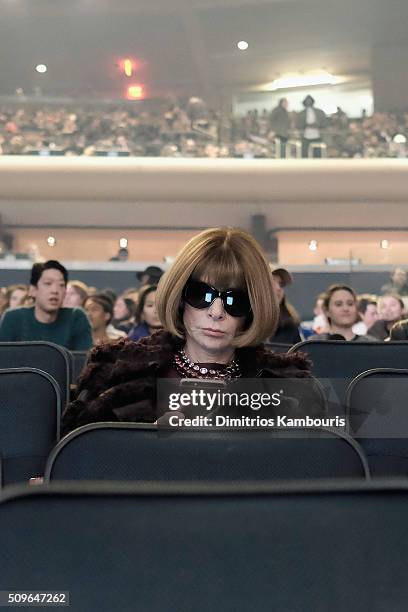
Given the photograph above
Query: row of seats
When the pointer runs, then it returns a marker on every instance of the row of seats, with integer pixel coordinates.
(63, 365)
(339, 362)
(209, 546)
(32, 400)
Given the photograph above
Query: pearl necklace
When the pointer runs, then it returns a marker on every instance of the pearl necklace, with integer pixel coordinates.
(189, 369)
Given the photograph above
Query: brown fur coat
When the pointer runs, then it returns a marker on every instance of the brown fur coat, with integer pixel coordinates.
(119, 381)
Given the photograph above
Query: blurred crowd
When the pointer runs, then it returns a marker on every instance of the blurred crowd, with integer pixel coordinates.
(111, 316)
(191, 129)
(339, 313)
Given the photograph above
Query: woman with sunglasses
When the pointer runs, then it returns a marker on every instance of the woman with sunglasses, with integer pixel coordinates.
(217, 305)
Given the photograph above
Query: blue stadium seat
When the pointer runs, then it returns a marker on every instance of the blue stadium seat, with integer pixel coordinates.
(377, 414)
(130, 451)
(30, 409)
(204, 547)
(337, 363)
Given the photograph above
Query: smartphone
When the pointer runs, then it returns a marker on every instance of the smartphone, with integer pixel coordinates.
(202, 383)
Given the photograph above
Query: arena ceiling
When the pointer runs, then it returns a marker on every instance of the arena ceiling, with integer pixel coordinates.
(187, 46)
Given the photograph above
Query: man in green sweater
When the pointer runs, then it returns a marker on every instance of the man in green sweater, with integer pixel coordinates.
(47, 320)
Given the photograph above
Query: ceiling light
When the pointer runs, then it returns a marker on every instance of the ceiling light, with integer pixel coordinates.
(41, 68)
(399, 139)
(135, 92)
(51, 241)
(242, 45)
(313, 245)
(123, 242)
(128, 67)
(303, 80)
(384, 244)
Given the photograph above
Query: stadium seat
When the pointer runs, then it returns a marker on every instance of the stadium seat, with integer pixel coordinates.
(52, 358)
(30, 408)
(377, 415)
(130, 451)
(278, 347)
(79, 359)
(336, 363)
(203, 547)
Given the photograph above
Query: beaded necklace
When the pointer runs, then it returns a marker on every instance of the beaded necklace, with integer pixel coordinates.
(189, 369)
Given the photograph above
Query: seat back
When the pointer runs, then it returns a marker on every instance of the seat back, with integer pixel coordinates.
(278, 347)
(130, 451)
(30, 409)
(339, 362)
(377, 402)
(52, 358)
(234, 547)
(79, 359)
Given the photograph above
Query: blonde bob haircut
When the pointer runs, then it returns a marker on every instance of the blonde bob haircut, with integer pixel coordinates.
(226, 258)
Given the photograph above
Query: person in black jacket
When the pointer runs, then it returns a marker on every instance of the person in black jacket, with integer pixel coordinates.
(287, 331)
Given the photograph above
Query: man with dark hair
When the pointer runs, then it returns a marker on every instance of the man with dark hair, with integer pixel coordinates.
(280, 123)
(368, 313)
(47, 320)
(311, 121)
(150, 276)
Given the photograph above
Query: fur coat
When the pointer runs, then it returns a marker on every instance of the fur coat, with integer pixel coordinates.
(119, 380)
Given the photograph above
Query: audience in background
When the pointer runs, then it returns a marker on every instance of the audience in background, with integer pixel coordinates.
(76, 294)
(124, 314)
(134, 311)
(279, 124)
(398, 283)
(287, 331)
(99, 308)
(175, 130)
(47, 319)
(150, 276)
(340, 307)
(368, 314)
(16, 294)
(390, 310)
(311, 121)
(147, 318)
(399, 331)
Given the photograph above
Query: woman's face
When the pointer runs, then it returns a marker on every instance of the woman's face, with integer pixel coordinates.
(279, 287)
(342, 309)
(211, 329)
(96, 314)
(16, 298)
(120, 310)
(72, 298)
(149, 313)
(389, 309)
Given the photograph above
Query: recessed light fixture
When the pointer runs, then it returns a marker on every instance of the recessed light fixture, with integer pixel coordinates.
(311, 79)
(51, 241)
(135, 92)
(41, 68)
(384, 244)
(242, 45)
(399, 139)
(313, 245)
(123, 242)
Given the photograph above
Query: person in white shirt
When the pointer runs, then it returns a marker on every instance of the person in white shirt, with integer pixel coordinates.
(311, 121)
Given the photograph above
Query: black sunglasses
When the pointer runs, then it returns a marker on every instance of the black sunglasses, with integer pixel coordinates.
(200, 295)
